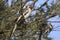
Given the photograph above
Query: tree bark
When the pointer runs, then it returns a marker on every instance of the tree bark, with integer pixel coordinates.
(40, 35)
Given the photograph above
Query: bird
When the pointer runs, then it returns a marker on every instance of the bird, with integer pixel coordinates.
(25, 14)
(28, 8)
(21, 18)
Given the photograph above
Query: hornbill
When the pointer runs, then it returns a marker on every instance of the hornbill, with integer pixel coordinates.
(21, 18)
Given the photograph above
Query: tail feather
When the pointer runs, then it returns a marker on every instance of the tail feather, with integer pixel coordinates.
(14, 28)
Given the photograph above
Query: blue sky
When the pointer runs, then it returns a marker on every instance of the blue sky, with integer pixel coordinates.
(54, 34)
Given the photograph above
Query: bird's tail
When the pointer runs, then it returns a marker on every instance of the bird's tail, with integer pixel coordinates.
(13, 30)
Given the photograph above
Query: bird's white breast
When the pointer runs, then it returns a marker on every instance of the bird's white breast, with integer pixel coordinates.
(28, 13)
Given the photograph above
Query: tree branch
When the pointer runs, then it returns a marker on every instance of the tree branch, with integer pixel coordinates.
(44, 19)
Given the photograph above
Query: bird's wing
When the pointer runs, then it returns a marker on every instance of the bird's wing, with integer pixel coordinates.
(21, 15)
(19, 18)
(14, 28)
(25, 12)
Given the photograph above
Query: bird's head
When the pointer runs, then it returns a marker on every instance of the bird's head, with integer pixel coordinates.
(30, 6)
